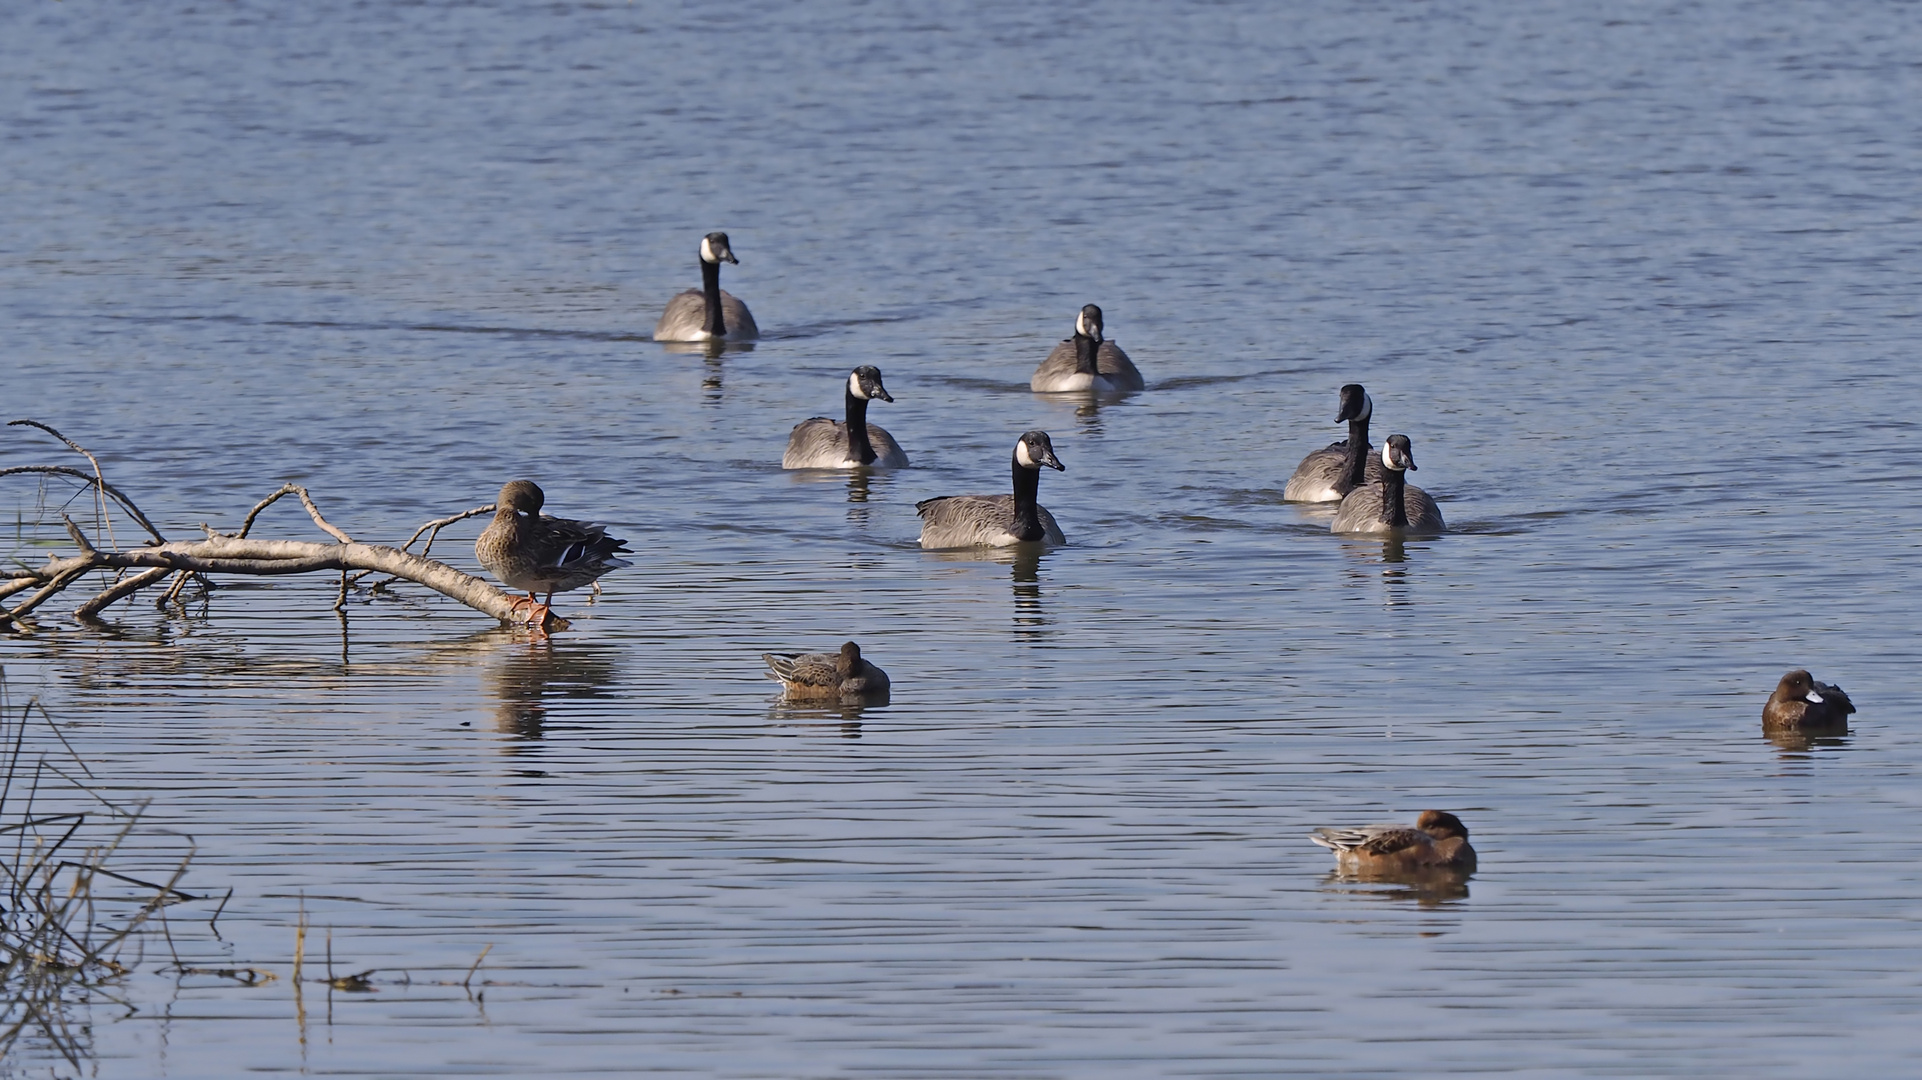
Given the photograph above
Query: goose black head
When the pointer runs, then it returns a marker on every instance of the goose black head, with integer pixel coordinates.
(1355, 404)
(865, 383)
(1035, 450)
(714, 249)
(1398, 454)
(1088, 323)
(522, 496)
(1441, 824)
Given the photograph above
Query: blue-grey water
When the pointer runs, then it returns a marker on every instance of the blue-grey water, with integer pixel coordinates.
(1640, 280)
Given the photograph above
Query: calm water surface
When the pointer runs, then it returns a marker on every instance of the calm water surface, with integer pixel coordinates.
(1640, 282)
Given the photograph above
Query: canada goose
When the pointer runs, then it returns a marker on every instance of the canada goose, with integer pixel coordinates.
(1438, 840)
(1392, 506)
(841, 674)
(528, 550)
(708, 313)
(820, 443)
(959, 521)
(1086, 362)
(1802, 704)
(1341, 467)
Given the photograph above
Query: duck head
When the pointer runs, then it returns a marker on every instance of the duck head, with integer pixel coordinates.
(1441, 825)
(521, 496)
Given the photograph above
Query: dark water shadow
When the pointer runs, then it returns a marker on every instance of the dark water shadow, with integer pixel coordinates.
(1803, 745)
(1433, 887)
(842, 718)
(525, 677)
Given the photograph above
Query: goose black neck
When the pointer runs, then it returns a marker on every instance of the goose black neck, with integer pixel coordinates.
(1355, 465)
(1027, 507)
(1085, 351)
(1394, 502)
(711, 290)
(859, 448)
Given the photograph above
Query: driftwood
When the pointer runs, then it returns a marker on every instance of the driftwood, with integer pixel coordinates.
(233, 553)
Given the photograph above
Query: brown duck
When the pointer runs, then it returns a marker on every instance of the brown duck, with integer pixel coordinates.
(1802, 704)
(1438, 840)
(842, 675)
(530, 551)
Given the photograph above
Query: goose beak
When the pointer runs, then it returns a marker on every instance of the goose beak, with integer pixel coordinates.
(882, 393)
(1052, 462)
(1813, 696)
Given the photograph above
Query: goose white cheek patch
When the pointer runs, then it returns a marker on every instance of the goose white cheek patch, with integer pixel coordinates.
(1021, 455)
(854, 387)
(707, 251)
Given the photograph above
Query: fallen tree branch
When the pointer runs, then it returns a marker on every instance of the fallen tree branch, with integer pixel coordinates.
(221, 553)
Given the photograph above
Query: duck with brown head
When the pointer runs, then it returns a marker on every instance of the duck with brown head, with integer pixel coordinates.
(530, 551)
(1799, 703)
(1439, 840)
(845, 675)
(708, 313)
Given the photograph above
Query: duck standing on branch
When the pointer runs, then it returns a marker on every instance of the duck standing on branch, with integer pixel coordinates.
(963, 521)
(1339, 468)
(1392, 507)
(1086, 362)
(535, 553)
(844, 675)
(821, 443)
(1802, 704)
(708, 313)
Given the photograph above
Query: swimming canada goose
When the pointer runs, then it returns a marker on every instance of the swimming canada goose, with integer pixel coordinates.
(820, 443)
(528, 550)
(1340, 467)
(1086, 362)
(708, 313)
(960, 521)
(1392, 506)
(843, 674)
(1439, 840)
(1802, 704)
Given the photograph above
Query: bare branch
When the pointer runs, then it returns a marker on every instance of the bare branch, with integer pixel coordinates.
(305, 500)
(113, 492)
(125, 587)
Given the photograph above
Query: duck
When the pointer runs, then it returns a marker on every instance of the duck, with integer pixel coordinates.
(1439, 840)
(844, 674)
(821, 443)
(962, 521)
(708, 313)
(1340, 467)
(530, 551)
(1392, 506)
(1799, 703)
(1086, 362)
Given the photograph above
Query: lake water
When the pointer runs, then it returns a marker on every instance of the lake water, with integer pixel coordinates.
(1640, 281)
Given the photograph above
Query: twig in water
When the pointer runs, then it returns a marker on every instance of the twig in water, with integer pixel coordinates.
(477, 964)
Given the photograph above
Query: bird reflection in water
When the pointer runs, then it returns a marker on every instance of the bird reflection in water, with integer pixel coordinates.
(844, 716)
(711, 353)
(863, 483)
(1024, 562)
(526, 676)
(1800, 745)
(1391, 554)
(1427, 887)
